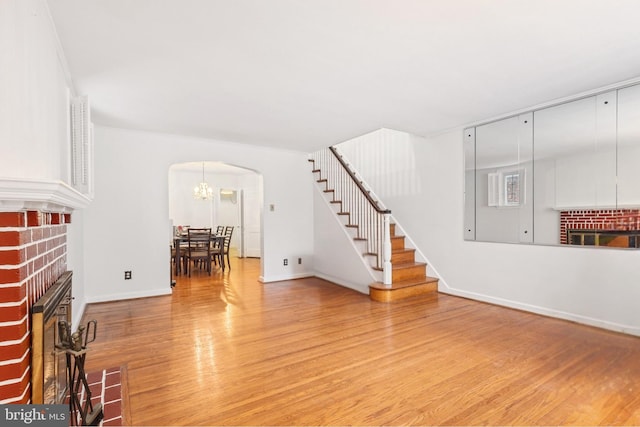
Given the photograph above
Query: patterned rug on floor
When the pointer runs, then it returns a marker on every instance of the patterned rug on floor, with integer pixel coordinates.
(108, 387)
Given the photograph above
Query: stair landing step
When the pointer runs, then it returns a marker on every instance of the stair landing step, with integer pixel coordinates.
(402, 289)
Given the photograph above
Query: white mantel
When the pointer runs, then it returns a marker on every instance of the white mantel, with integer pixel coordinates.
(52, 196)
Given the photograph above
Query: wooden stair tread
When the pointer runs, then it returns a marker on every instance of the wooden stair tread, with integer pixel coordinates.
(393, 251)
(404, 265)
(409, 265)
(404, 283)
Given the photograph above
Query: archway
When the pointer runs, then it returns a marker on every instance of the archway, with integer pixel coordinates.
(236, 199)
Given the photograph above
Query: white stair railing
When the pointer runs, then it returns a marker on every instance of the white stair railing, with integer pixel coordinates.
(371, 222)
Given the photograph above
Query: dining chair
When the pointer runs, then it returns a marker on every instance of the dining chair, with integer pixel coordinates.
(178, 255)
(198, 249)
(217, 250)
(175, 263)
(228, 232)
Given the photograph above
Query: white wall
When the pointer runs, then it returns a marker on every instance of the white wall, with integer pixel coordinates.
(183, 208)
(336, 256)
(127, 226)
(33, 87)
(386, 158)
(75, 263)
(593, 286)
(34, 102)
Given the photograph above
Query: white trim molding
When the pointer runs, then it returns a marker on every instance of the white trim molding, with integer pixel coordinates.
(130, 295)
(544, 311)
(53, 196)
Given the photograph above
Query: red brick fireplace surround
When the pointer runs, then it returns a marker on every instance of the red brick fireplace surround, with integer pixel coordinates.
(33, 254)
(603, 219)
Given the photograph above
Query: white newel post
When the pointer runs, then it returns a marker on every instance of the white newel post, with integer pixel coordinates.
(386, 253)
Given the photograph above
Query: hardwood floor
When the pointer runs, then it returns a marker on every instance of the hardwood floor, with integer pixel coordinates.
(228, 350)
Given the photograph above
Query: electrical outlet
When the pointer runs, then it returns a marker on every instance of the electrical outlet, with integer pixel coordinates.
(299, 260)
(127, 275)
(286, 261)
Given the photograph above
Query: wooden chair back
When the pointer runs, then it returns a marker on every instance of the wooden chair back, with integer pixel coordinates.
(199, 248)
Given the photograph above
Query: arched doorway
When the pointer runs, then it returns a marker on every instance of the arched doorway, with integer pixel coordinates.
(236, 200)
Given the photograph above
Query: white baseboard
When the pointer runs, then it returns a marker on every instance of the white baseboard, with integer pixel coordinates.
(283, 277)
(130, 295)
(598, 323)
(363, 289)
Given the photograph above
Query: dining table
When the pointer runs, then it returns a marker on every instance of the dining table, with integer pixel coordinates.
(179, 240)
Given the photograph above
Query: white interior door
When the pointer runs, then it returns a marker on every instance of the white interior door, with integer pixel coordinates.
(228, 213)
(251, 230)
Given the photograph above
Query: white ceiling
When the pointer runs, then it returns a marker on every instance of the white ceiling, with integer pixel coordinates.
(305, 74)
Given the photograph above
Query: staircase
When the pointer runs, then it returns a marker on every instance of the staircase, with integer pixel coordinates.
(406, 277)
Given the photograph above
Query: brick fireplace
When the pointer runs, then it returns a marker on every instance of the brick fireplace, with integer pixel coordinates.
(618, 225)
(33, 254)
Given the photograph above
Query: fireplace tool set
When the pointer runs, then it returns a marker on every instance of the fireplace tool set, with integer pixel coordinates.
(75, 347)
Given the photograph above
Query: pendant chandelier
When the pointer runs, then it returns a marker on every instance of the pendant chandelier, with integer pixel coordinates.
(202, 191)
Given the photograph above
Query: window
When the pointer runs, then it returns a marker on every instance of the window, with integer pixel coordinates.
(512, 189)
(505, 188)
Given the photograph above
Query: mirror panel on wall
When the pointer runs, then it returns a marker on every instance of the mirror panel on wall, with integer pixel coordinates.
(580, 137)
(574, 161)
(570, 170)
(629, 147)
(503, 173)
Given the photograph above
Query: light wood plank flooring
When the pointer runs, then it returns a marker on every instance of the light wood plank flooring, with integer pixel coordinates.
(228, 350)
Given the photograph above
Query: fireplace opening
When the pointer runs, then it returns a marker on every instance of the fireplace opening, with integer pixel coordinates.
(610, 238)
(48, 364)
(619, 228)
